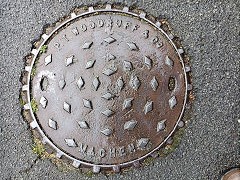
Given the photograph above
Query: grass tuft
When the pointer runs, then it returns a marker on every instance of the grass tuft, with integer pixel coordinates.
(22, 102)
(34, 68)
(43, 49)
(38, 148)
(34, 105)
(34, 71)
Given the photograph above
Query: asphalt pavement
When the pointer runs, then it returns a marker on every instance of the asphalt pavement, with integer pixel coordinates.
(209, 30)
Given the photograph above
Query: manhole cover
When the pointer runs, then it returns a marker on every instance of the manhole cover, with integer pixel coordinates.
(110, 88)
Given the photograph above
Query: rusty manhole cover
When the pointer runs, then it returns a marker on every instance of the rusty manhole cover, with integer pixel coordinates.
(110, 88)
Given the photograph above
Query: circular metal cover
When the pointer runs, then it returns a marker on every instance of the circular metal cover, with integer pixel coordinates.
(111, 88)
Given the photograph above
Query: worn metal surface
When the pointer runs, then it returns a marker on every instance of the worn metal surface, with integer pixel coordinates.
(111, 88)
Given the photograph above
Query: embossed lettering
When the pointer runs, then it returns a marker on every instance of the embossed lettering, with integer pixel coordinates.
(146, 34)
(65, 37)
(109, 25)
(100, 23)
(109, 22)
(92, 25)
(159, 44)
(83, 27)
(102, 153)
(119, 22)
(57, 45)
(75, 31)
(135, 27)
(91, 152)
(155, 40)
(122, 151)
(83, 148)
(127, 24)
(112, 152)
(131, 148)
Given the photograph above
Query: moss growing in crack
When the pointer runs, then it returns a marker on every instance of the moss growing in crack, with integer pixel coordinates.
(176, 141)
(89, 174)
(25, 114)
(148, 161)
(34, 105)
(21, 101)
(61, 165)
(43, 49)
(34, 69)
(38, 148)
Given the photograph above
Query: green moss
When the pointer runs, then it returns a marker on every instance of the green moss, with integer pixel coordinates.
(148, 161)
(34, 105)
(33, 72)
(62, 166)
(89, 174)
(176, 141)
(43, 154)
(38, 148)
(43, 49)
(21, 101)
(34, 68)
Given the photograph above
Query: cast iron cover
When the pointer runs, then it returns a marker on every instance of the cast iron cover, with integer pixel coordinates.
(111, 88)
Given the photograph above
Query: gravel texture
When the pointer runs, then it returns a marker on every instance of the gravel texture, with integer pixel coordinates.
(209, 30)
